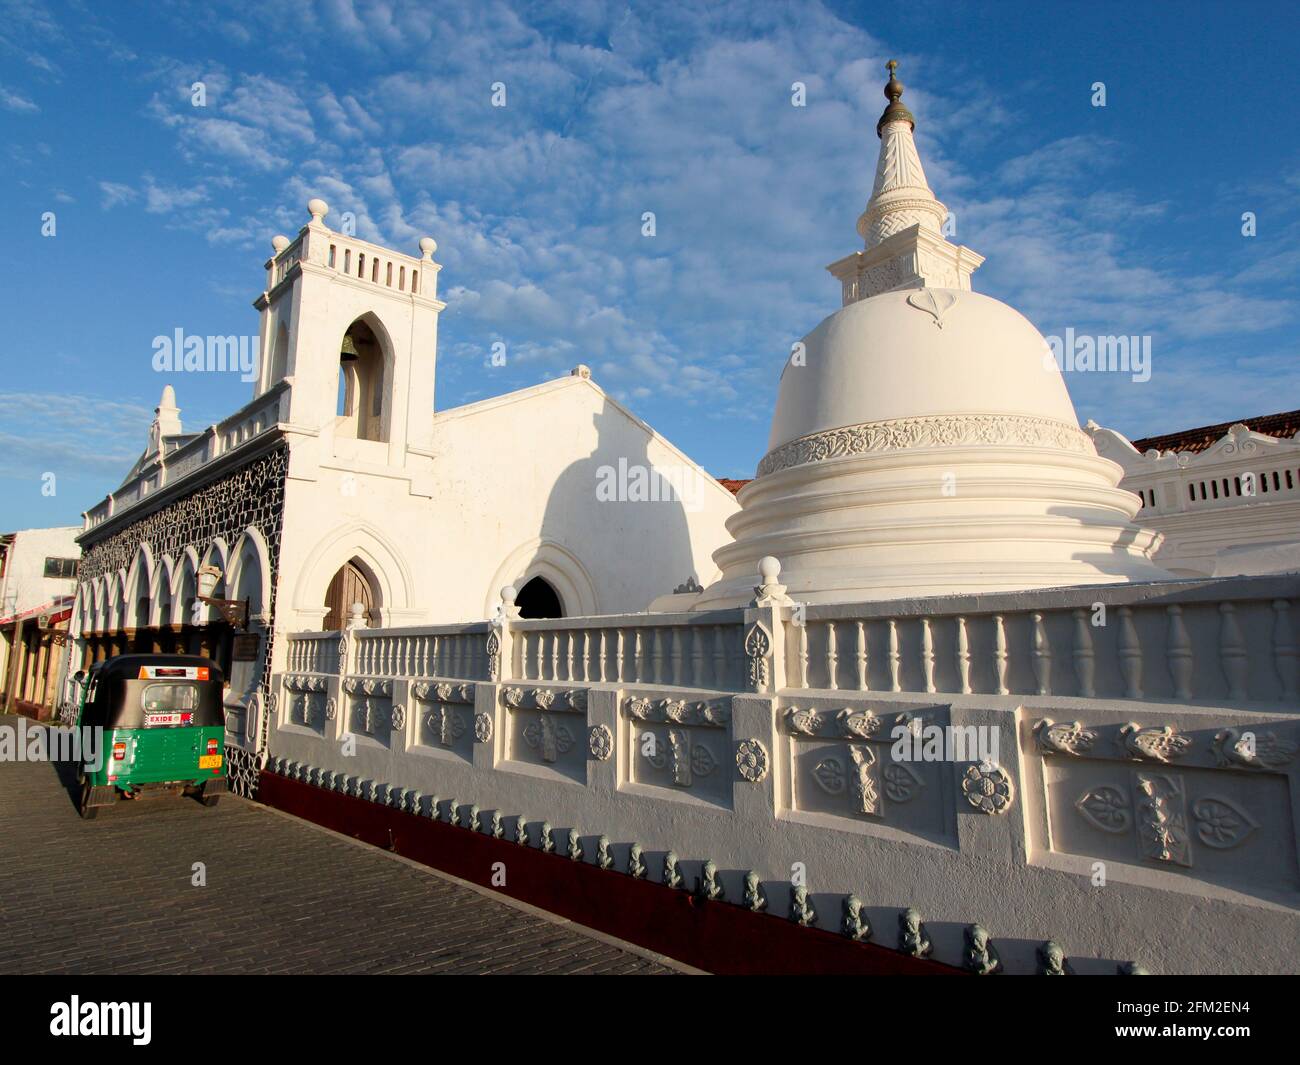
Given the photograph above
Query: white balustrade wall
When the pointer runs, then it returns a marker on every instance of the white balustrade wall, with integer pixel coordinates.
(1125, 759)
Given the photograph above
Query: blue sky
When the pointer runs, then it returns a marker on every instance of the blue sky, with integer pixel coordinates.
(1124, 219)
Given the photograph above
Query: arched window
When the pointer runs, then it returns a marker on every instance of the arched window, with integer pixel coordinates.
(361, 410)
(350, 585)
(537, 599)
(279, 356)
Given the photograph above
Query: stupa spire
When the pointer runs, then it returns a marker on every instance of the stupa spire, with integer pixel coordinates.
(902, 227)
(901, 196)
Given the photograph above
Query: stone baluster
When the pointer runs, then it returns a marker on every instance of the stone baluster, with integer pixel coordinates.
(602, 675)
(1232, 652)
(1180, 653)
(569, 638)
(719, 658)
(801, 662)
(1042, 656)
(895, 659)
(619, 655)
(927, 654)
(698, 676)
(1084, 657)
(832, 658)
(861, 657)
(1130, 654)
(963, 655)
(555, 655)
(1000, 653)
(677, 655)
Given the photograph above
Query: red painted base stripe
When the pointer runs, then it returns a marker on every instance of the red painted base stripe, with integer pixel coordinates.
(718, 937)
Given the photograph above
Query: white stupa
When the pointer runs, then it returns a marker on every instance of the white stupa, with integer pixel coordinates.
(924, 442)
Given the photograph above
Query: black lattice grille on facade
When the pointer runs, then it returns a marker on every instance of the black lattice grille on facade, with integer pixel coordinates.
(252, 495)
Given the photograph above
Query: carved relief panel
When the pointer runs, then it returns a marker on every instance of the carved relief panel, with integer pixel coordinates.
(845, 763)
(682, 745)
(547, 727)
(306, 703)
(445, 719)
(1211, 804)
(371, 713)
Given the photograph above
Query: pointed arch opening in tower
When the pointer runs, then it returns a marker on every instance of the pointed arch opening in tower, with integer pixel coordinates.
(279, 355)
(350, 585)
(537, 599)
(361, 393)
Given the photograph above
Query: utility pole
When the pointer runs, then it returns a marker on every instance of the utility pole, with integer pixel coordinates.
(13, 666)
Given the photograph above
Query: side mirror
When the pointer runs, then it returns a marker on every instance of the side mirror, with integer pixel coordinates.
(79, 677)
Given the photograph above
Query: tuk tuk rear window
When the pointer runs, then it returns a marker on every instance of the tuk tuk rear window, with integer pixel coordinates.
(171, 696)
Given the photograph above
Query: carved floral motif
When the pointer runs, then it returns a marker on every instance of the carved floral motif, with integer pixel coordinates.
(988, 788)
(600, 741)
(751, 760)
(1105, 808)
(758, 645)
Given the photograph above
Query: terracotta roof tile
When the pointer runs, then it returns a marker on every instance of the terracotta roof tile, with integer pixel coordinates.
(1286, 424)
(732, 486)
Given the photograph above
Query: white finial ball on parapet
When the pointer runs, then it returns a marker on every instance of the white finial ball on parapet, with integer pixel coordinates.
(279, 242)
(318, 209)
(427, 247)
(508, 594)
(769, 569)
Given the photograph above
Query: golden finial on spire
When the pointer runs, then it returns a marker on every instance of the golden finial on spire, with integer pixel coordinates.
(895, 112)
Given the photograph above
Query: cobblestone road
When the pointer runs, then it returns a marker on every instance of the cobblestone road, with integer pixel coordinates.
(114, 895)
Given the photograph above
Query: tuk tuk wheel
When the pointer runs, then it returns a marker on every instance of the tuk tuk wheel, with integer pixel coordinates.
(87, 811)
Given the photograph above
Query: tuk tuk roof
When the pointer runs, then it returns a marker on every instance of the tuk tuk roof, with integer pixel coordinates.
(127, 667)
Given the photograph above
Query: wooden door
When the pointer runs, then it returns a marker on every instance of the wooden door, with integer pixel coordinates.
(348, 586)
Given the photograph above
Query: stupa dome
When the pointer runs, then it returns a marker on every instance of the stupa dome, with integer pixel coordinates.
(919, 353)
(924, 442)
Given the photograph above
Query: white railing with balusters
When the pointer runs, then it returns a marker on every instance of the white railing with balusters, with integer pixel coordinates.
(313, 652)
(452, 651)
(700, 650)
(1232, 640)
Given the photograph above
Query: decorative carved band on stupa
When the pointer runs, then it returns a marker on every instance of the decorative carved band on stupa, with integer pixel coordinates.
(902, 434)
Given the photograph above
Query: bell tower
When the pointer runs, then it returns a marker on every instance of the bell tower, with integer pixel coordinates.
(350, 330)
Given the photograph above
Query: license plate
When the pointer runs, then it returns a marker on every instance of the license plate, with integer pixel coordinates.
(161, 719)
(209, 761)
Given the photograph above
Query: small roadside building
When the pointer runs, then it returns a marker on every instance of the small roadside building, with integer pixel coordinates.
(38, 578)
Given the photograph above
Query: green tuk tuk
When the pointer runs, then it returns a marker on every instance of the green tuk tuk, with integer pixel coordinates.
(160, 724)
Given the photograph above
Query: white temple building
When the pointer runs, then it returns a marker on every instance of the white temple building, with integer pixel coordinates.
(1226, 498)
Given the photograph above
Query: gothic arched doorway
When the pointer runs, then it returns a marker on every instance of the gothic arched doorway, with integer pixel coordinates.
(537, 599)
(349, 585)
